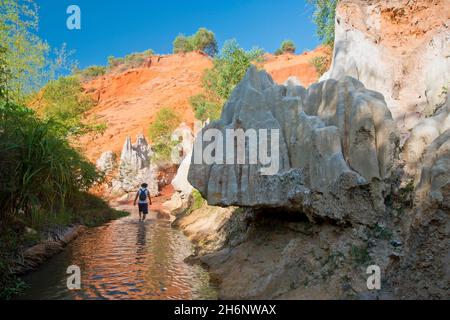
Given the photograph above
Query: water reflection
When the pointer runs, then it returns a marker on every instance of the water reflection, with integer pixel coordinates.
(125, 259)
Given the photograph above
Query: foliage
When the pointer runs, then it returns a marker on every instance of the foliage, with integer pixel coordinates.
(229, 68)
(132, 60)
(39, 168)
(65, 101)
(203, 40)
(320, 63)
(197, 200)
(4, 75)
(287, 46)
(205, 107)
(26, 52)
(324, 16)
(10, 284)
(160, 131)
(90, 72)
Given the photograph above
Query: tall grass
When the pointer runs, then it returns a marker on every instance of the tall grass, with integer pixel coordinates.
(39, 167)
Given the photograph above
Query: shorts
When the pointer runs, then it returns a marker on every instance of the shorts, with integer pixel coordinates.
(143, 207)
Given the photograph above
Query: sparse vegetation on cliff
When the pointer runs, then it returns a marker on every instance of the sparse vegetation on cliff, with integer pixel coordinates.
(64, 101)
(287, 46)
(322, 63)
(229, 68)
(203, 40)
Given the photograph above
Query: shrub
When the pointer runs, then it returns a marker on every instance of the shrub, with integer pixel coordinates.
(197, 200)
(229, 68)
(182, 44)
(203, 40)
(90, 73)
(320, 64)
(287, 46)
(39, 167)
(64, 101)
(160, 131)
(205, 107)
(132, 60)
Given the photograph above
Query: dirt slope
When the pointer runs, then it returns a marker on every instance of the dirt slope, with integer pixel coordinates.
(128, 102)
(286, 65)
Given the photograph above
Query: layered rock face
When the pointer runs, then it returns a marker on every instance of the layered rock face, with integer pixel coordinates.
(135, 168)
(401, 50)
(425, 271)
(422, 135)
(336, 149)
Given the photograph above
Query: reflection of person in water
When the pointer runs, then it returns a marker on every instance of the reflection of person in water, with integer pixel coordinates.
(141, 242)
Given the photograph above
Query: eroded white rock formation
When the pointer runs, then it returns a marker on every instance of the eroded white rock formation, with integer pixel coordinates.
(338, 144)
(135, 168)
(107, 162)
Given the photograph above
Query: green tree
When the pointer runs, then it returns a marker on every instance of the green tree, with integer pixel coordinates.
(205, 107)
(324, 16)
(64, 100)
(203, 40)
(4, 75)
(287, 46)
(160, 131)
(26, 52)
(229, 68)
(182, 44)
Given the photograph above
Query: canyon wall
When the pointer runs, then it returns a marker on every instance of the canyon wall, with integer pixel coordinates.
(336, 148)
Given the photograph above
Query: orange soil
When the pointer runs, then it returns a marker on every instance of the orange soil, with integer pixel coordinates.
(286, 65)
(128, 102)
(404, 25)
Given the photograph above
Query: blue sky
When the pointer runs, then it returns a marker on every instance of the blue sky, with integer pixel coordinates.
(111, 27)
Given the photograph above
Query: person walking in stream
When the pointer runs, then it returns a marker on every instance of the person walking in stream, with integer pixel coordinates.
(144, 201)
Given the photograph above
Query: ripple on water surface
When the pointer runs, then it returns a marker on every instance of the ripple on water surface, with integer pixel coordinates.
(124, 259)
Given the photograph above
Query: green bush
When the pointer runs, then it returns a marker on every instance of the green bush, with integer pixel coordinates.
(205, 108)
(229, 68)
(287, 46)
(133, 60)
(39, 168)
(90, 73)
(182, 44)
(160, 131)
(64, 101)
(64, 98)
(197, 200)
(321, 64)
(203, 40)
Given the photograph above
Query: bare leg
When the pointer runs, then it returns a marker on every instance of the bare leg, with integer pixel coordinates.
(140, 216)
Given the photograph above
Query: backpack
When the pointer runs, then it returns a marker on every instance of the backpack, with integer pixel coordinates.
(142, 194)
